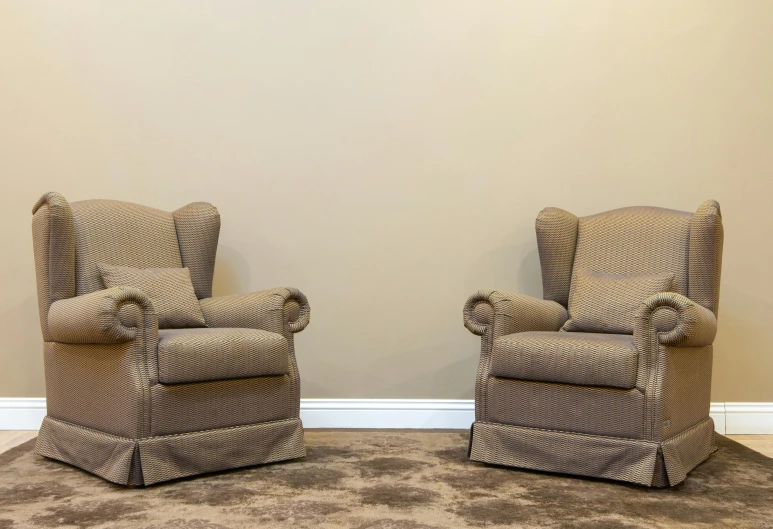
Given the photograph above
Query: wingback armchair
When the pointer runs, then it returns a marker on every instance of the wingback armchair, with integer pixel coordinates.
(610, 374)
(215, 388)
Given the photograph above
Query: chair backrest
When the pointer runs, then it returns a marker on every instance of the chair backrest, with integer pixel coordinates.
(120, 233)
(70, 239)
(634, 240)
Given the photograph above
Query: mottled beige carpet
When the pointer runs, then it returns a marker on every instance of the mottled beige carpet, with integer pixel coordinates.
(386, 479)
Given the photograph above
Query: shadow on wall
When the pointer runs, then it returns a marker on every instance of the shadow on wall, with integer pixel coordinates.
(499, 268)
(24, 320)
(425, 377)
(530, 274)
(232, 272)
(739, 331)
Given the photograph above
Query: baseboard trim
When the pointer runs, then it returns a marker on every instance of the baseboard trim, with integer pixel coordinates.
(22, 414)
(729, 417)
(387, 413)
(717, 412)
(749, 417)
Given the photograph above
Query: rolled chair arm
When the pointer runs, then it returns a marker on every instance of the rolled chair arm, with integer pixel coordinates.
(696, 325)
(516, 312)
(101, 317)
(269, 310)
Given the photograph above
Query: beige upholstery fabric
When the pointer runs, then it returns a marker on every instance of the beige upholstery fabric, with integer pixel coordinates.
(198, 230)
(556, 242)
(637, 240)
(119, 233)
(180, 408)
(97, 386)
(706, 239)
(625, 407)
(608, 302)
(493, 313)
(136, 405)
(53, 238)
(97, 317)
(169, 289)
(200, 355)
(585, 359)
(597, 456)
(150, 460)
(280, 310)
(567, 407)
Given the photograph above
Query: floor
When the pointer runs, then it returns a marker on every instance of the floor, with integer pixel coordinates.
(388, 479)
(760, 443)
(11, 438)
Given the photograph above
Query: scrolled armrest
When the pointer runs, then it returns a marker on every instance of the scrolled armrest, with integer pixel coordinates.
(98, 318)
(696, 325)
(515, 312)
(269, 310)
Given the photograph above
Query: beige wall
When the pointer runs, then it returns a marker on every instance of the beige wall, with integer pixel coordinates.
(389, 158)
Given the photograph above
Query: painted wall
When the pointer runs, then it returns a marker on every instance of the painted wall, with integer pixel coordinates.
(389, 158)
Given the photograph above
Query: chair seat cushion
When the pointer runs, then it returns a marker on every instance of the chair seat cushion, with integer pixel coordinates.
(199, 355)
(585, 359)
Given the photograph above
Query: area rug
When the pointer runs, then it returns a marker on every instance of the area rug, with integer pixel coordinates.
(386, 479)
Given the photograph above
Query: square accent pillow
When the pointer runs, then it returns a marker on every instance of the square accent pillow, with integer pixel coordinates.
(607, 303)
(170, 290)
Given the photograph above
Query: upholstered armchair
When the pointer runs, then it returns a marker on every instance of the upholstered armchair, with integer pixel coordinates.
(610, 374)
(152, 378)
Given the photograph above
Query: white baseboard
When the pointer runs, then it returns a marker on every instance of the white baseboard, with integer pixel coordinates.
(729, 417)
(22, 414)
(749, 417)
(387, 413)
(717, 412)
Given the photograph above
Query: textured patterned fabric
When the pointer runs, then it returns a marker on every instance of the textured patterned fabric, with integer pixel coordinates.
(233, 395)
(179, 408)
(99, 386)
(200, 355)
(566, 407)
(277, 310)
(120, 233)
(53, 239)
(668, 404)
(637, 240)
(176, 456)
(686, 450)
(706, 240)
(127, 461)
(659, 476)
(120, 374)
(696, 325)
(556, 243)
(493, 313)
(107, 456)
(198, 230)
(586, 359)
(95, 318)
(630, 460)
(169, 289)
(608, 302)
(620, 459)
(685, 392)
(677, 376)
